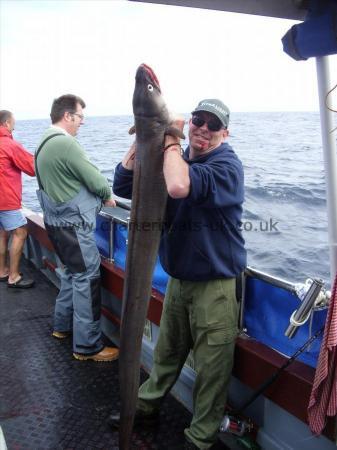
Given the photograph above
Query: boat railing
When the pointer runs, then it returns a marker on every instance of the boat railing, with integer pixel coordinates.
(121, 215)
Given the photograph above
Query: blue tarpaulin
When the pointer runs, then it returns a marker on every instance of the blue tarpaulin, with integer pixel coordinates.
(267, 312)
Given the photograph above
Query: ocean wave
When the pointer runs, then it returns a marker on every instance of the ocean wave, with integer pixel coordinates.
(287, 193)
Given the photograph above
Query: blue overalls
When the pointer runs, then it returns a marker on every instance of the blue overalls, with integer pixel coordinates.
(70, 226)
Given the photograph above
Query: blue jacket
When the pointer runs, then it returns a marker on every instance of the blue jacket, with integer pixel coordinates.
(202, 239)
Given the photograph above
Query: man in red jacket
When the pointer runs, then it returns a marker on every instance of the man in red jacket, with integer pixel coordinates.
(14, 159)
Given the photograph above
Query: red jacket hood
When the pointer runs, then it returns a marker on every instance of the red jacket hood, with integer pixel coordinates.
(4, 132)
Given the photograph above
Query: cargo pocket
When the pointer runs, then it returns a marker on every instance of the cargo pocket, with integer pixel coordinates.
(221, 307)
(221, 336)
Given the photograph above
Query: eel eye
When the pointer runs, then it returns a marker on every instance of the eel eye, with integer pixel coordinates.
(150, 87)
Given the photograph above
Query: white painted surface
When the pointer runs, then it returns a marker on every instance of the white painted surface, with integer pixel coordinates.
(3, 445)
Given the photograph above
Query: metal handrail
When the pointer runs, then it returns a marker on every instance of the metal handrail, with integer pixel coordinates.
(278, 282)
(123, 205)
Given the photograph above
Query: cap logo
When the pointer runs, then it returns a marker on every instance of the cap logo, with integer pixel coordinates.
(213, 105)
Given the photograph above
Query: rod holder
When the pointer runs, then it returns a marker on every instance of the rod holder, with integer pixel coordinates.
(303, 312)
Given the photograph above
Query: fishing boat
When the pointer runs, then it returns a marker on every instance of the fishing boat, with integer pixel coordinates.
(270, 389)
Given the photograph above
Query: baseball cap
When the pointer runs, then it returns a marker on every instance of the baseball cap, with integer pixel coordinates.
(216, 107)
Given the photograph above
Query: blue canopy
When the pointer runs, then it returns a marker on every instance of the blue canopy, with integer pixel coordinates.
(317, 35)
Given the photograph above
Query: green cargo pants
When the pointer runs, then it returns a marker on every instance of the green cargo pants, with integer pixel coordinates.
(202, 316)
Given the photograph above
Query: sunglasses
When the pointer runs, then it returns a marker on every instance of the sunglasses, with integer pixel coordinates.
(213, 124)
(81, 116)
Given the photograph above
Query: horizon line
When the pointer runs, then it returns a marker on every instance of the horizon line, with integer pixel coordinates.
(232, 112)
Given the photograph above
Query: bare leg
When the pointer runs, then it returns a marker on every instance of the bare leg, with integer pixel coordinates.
(18, 239)
(4, 236)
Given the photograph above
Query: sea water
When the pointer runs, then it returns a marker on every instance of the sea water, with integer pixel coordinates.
(285, 219)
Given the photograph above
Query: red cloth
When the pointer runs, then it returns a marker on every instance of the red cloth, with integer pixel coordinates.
(323, 398)
(14, 159)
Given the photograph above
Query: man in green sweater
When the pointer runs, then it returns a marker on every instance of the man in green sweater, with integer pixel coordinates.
(71, 192)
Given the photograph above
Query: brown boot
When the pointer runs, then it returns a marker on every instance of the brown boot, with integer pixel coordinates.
(106, 354)
(60, 334)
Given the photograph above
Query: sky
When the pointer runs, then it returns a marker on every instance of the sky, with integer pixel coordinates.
(93, 48)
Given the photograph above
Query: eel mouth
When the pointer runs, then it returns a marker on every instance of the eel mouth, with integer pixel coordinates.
(151, 74)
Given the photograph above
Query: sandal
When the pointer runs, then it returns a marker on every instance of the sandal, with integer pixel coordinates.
(21, 283)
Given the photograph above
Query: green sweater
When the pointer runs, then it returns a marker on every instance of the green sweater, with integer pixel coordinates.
(64, 167)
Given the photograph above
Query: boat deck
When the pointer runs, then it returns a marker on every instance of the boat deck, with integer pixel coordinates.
(48, 400)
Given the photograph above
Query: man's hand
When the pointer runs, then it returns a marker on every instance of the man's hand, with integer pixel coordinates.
(179, 123)
(129, 158)
(111, 202)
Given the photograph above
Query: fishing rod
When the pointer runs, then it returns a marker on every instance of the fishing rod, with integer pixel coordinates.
(231, 422)
(278, 372)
